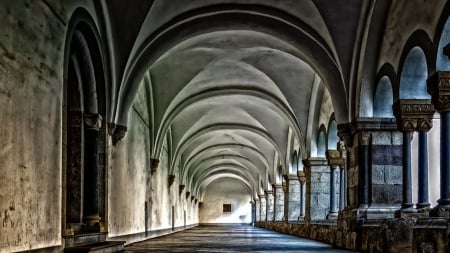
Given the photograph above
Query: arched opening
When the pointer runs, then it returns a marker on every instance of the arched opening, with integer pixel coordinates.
(383, 99)
(321, 142)
(85, 108)
(333, 138)
(414, 75)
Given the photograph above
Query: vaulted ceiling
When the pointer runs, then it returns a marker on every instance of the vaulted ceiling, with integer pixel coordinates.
(238, 85)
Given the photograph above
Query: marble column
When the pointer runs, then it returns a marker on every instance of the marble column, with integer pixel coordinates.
(262, 209)
(439, 88)
(293, 197)
(302, 179)
(269, 205)
(413, 115)
(257, 210)
(279, 202)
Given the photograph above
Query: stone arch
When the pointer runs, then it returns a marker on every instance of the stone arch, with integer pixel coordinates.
(384, 93)
(84, 107)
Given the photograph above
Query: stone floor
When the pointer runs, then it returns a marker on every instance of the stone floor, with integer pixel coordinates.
(230, 239)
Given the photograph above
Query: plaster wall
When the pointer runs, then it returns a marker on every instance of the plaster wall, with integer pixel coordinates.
(226, 191)
(138, 201)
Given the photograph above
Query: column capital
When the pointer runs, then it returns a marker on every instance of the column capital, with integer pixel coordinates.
(315, 161)
(301, 176)
(93, 121)
(438, 85)
(117, 133)
(414, 114)
(364, 138)
(268, 192)
(262, 196)
(289, 177)
(277, 186)
(181, 188)
(334, 158)
(153, 165)
(188, 194)
(171, 180)
(345, 134)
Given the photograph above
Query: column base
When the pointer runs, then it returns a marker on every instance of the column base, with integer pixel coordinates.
(442, 209)
(332, 216)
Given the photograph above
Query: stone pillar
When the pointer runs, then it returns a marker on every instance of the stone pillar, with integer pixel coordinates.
(302, 178)
(342, 176)
(439, 88)
(334, 160)
(423, 171)
(257, 210)
(279, 202)
(93, 123)
(317, 175)
(252, 203)
(262, 209)
(413, 115)
(363, 173)
(269, 205)
(293, 197)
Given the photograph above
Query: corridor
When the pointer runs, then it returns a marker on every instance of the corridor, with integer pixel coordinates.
(212, 238)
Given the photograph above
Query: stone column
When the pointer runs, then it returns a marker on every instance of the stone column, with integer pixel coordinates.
(269, 205)
(262, 209)
(257, 210)
(293, 197)
(439, 88)
(93, 123)
(334, 160)
(317, 193)
(279, 202)
(302, 178)
(413, 115)
(423, 171)
(342, 176)
(363, 176)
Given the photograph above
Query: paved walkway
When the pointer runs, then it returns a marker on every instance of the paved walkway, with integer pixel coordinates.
(230, 239)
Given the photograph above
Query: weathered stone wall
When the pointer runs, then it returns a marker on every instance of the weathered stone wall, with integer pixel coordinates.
(31, 60)
(226, 191)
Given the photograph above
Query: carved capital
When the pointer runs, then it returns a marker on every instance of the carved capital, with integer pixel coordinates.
(301, 176)
(188, 194)
(414, 114)
(153, 165)
(192, 198)
(171, 180)
(364, 138)
(118, 134)
(334, 158)
(438, 85)
(268, 192)
(181, 188)
(262, 196)
(93, 121)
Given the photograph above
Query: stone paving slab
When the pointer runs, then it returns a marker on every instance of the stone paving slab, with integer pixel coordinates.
(211, 238)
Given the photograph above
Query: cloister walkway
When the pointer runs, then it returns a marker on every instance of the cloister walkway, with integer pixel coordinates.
(213, 238)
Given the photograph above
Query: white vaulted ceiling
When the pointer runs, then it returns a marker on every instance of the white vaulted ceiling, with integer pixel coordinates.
(236, 84)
